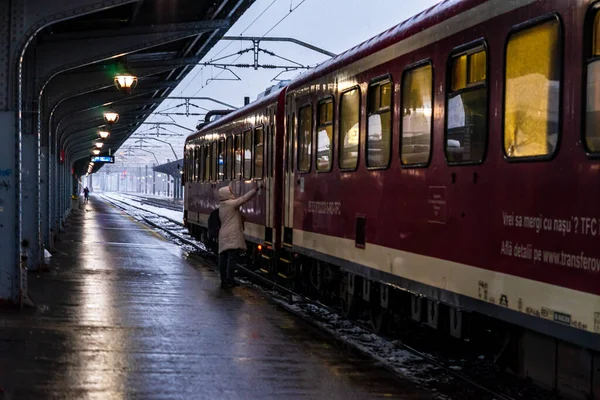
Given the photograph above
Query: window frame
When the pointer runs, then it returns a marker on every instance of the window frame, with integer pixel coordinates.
(378, 81)
(322, 100)
(297, 127)
(553, 16)
(244, 132)
(458, 51)
(360, 104)
(253, 155)
(587, 58)
(407, 69)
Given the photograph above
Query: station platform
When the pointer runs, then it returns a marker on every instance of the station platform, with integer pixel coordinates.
(125, 313)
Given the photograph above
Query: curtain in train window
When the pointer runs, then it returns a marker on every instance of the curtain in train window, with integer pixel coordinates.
(349, 129)
(379, 126)
(238, 157)
(417, 104)
(466, 129)
(207, 158)
(325, 136)
(592, 118)
(532, 91)
(229, 161)
(248, 155)
(259, 139)
(221, 160)
(304, 138)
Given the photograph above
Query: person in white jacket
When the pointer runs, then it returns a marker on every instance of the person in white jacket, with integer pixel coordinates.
(231, 233)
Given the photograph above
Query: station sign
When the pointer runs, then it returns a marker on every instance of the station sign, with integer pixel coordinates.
(103, 159)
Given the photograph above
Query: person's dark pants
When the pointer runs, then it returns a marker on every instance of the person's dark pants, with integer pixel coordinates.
(227, 261)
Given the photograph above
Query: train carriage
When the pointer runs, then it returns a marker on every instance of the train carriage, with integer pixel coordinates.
(450, 164)
(236, 150)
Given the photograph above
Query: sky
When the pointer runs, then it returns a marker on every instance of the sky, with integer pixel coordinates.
(333, 25)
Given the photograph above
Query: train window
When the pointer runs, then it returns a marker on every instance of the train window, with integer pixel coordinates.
(207, 157)
(304, 138)
(379, 126)
(194, 164)
(532, 90)
(466, 107)
(290, 143)
(259, 139)
(238, 157)
(215, 161)
(200, 166)
(229, 156)
(221, 160)
(592, 116)
(349, 129)
(325, 135)
(271, 167)
(248, 155)
(417, 104)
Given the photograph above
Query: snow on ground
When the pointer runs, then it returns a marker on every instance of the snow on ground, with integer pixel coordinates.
(175, 216)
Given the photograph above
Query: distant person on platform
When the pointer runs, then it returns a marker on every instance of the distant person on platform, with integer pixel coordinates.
(231, 232)
(86, 194)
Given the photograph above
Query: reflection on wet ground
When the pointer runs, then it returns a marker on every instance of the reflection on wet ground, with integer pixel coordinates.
(123, 313)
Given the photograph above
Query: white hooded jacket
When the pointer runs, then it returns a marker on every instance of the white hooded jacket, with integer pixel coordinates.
(231, 234)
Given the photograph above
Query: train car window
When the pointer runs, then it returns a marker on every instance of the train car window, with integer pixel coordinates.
(290, 143)
(229, 161)
(221, 160)
(532, 90)
(592, 114)
(207, 157)
(193, 165)
(304, 138)
(466, 107)
(379, 126)
(248, 155)
(271, 167)
(349, 129)
(325, 135)
(259, 139)
(201, 163)
(238, 157)
(215, 161)
(417, 105)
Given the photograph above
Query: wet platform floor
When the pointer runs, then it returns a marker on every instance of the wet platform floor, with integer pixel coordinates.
(125, 313)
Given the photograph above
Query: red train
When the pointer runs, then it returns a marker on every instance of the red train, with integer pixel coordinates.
(448, 166)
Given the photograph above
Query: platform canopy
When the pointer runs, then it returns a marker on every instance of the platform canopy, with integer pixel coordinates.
(172, 168)
(156, 41)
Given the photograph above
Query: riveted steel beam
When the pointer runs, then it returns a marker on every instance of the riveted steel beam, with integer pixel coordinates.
(96, 49)
(197, 27)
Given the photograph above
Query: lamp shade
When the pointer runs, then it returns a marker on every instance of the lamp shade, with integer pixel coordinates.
(126, 82)
(111, 117)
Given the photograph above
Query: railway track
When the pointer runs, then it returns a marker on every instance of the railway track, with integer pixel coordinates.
(162, 203)
(444, 378)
